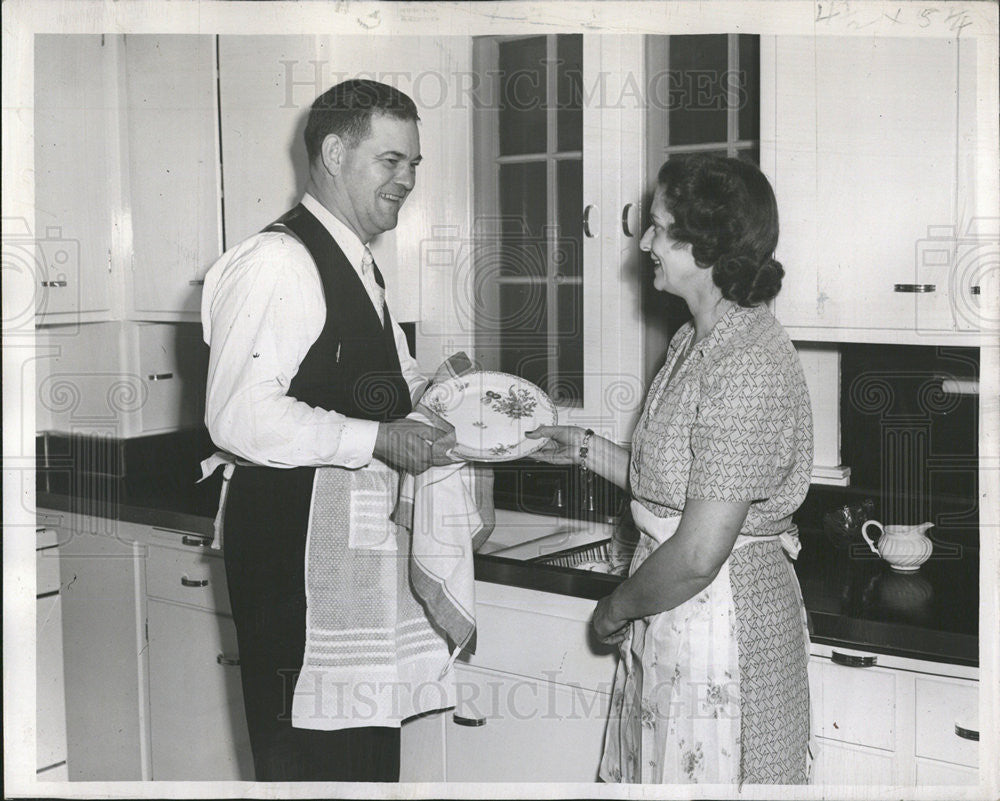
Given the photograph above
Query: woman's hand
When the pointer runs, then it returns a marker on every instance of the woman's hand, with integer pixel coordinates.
(563, 446)
(607, 626)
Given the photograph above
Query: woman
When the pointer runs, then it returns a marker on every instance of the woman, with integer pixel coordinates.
(712, 683)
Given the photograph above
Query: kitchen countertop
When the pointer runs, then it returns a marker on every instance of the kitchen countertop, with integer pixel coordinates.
(854, 600)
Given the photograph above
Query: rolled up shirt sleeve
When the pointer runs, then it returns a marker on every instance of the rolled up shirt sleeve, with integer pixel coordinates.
(262, 310)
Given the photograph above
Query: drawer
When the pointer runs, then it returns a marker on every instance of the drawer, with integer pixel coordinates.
(542, 636)
(855, 705)
(941, 706)
(193, 576)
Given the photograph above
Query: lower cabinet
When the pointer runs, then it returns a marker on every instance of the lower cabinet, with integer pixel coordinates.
(100, 573)
(532, 702)
(883, 720)
(197, 727)
(512, 728)
(198, 730)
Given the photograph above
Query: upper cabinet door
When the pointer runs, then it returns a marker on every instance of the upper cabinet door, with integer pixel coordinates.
(557, 141)
(170, 99)
(75, 140)
(266, 85)
(861, 139)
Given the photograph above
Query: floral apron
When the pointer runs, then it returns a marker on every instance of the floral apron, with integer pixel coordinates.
(675, 708)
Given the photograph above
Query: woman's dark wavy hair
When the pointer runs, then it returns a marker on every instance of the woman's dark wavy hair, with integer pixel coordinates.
(725, 208)
(346, 110)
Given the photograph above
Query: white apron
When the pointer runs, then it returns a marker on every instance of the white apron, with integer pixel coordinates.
(675, 708)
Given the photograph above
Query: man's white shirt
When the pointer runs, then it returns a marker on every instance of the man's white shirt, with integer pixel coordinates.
(262, 309)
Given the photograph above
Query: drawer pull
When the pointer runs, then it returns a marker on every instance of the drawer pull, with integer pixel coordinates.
(966, 734)
(197, 282)
(54, 284)
(160, 376)
(852, 660)
(461, 721)
(625, 213)
(974, 290)
(914, 288)
(193, 582)
(586, 222)
(228, 661)
(196, 542)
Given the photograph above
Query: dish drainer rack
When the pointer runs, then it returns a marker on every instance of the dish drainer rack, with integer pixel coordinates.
(571, 557)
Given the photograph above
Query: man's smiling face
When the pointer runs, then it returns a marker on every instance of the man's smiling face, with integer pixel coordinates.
(377, 176)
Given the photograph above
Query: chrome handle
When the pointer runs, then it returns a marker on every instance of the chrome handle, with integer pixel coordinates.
(197, 282)
(586, 222)
(54, 284)
(197, 542)
(160, 376)
(974, 290)
(914, 288)
(461, 721)
(851, 660)
(228, 661)
(625, 213)
(966, 734)
(193, 582)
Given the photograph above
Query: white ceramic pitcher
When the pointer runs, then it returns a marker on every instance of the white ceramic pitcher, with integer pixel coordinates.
(905, 548)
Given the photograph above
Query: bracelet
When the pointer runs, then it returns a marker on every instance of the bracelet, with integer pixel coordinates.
(585, 449)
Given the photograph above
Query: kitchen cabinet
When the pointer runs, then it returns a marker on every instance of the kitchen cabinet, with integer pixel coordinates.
(266, 87)
(76, 140)
(198, 728)
(120, 379)
(532, 703)
(558, 178)
(100, 570)
(882, 720)
(516, 728)
(173, 181)
(50, 687)
(875, 183)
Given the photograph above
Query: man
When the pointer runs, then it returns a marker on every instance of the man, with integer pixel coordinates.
(308, 369)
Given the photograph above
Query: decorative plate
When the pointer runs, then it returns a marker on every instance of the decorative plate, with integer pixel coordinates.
(491, 412)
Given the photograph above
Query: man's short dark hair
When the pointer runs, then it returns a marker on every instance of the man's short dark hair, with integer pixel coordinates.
(347, 109)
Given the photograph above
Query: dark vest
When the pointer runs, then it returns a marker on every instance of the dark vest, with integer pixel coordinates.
(353, 367)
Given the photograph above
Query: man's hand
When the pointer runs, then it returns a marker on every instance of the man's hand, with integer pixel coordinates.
(414, 446)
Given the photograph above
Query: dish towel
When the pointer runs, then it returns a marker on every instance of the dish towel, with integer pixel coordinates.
(449, 512)
(372, 657)
(389, 581)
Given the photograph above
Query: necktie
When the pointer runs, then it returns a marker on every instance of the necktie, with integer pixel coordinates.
(375, 292)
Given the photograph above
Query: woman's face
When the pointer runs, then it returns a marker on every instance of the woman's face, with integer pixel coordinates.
(674, 268)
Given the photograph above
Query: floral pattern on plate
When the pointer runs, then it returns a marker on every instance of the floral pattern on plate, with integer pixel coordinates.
(491, 412)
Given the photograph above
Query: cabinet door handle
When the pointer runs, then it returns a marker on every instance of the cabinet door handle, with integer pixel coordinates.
(193, 582)
(586, 222)
(160, 376)
(974, 290)
(918, 288)
(966, 734)
(852, 660)
(461, 721)
(197, 282)
(195, 542)
(625, 213)
(228, 661)
(54, 284)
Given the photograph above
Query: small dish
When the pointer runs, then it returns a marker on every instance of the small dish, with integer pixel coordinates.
(491, 412)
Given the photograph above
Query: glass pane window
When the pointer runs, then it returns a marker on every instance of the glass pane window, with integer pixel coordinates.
(529, 209)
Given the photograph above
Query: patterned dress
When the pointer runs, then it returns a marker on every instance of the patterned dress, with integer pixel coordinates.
(715, 690)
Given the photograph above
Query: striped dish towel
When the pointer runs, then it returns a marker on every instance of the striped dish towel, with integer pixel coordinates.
(449, 511)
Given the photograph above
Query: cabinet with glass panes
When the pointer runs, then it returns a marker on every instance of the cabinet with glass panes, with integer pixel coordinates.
(569, 133)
